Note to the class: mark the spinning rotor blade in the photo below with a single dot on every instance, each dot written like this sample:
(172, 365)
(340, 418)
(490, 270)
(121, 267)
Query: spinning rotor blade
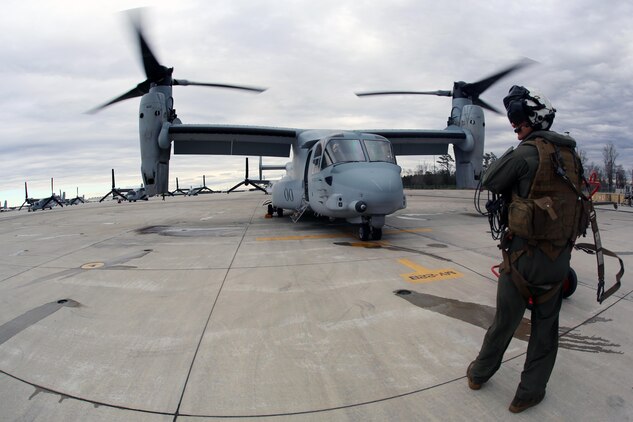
(156, 73)
(154, 70)
(439, 93)
(140, 90)
(481, 103)
(461, 89)
(184, 82)
(478, 88)
(474, 90)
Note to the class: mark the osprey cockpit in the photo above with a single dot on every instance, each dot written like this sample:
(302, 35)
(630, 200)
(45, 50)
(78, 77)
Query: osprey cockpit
(355, 176)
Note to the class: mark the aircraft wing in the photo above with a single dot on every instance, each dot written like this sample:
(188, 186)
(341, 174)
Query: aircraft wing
(232, 140)
(421, 142)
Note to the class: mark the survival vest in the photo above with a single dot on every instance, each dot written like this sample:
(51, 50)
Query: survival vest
(553, 211)
(553, 215)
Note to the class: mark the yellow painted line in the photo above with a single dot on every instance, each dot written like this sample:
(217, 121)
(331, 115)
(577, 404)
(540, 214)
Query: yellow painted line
(422, 274)
(337, 235)
(419, 230)
(308, 236)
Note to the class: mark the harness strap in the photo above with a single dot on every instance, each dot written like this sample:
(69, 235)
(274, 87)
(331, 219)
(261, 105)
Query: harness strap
(597, 248)
(599, 251)
(520, 282)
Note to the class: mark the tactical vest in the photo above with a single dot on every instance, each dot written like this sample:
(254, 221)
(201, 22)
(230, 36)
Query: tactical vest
(553, 211)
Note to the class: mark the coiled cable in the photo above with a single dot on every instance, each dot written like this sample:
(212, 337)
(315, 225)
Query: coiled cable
(495, 210)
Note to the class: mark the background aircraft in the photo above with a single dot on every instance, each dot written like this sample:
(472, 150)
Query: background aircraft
(338, 174)
(137, 194)
(116, 193)
(200, 189)
(257, 184)
(178, 190)
(34, 204)
(5, 207)
(76, 200)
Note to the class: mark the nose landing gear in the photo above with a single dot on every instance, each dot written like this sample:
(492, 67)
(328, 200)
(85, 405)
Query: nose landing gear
(366, 232)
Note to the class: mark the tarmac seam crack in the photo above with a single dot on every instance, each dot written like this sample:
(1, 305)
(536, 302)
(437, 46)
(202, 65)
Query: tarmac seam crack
(217, 297)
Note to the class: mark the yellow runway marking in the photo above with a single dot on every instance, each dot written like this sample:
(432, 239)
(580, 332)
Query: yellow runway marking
(419, 230)
(425, 275)
(338, 235)
(307, 236)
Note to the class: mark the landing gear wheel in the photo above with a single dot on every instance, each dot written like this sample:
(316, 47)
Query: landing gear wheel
(570, 283)
(280, 212)
(376, 233)
(363, 232)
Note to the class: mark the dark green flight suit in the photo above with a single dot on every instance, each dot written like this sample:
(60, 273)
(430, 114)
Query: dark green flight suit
(514, 172)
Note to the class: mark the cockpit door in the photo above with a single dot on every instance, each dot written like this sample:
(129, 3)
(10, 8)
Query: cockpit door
(306, 175)
(313, 168)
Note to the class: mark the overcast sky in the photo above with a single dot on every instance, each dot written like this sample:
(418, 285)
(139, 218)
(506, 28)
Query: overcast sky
(61, 58)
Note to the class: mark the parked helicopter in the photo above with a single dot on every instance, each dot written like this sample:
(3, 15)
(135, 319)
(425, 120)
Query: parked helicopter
(137, 194)
(350, 174)
(76, 200)
(200, 189)
(257, 184)
(5, 207)
(34, 204)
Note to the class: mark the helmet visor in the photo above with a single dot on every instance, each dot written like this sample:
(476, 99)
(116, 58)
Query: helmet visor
(514, 103)
(516, 112)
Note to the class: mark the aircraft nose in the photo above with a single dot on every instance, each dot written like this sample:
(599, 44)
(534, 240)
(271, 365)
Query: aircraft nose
(376, 178)
(378, 185)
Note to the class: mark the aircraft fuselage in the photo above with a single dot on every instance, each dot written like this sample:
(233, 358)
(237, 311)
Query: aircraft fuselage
(349, 175)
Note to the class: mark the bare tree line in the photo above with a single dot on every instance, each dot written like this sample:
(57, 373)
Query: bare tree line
(611, 175)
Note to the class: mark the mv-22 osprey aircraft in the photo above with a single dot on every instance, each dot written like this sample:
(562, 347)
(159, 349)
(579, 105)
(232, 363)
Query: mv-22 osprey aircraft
(34, 204)
(349, 174)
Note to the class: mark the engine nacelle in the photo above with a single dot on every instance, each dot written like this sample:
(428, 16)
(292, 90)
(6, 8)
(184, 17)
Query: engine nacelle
(154, 159)
(469, 154)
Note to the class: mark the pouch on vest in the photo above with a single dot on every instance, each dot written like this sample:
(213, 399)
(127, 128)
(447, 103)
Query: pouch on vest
(538, 219)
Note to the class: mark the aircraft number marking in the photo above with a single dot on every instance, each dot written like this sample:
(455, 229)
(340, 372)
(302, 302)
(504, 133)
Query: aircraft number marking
(289, 195)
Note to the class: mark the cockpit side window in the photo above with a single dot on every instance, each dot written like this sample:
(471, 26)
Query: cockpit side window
(316, 158)
(379, 151)
(343, 151)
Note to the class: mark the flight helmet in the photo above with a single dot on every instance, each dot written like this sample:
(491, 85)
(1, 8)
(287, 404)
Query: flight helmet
(528, 105)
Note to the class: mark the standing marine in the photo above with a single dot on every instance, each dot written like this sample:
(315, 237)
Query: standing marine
(539, 181)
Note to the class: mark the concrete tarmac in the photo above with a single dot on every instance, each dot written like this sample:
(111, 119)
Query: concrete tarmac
(200, 308)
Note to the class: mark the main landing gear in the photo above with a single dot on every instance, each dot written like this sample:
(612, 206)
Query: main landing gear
(272, 210)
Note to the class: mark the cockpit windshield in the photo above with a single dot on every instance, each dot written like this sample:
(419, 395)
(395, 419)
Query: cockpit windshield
(343, 151)
(379, 151)
(355, 150)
